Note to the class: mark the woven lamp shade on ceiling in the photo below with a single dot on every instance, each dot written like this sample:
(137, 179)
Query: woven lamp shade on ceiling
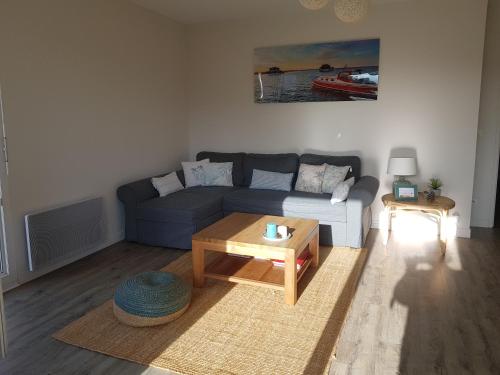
(313, 4)
(350, 10)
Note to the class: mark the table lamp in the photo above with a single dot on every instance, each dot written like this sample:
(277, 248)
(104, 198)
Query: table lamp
(401, 167)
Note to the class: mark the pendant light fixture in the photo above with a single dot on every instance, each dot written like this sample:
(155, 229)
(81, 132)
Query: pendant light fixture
(313, 4)
(346, 10)
(350, 10)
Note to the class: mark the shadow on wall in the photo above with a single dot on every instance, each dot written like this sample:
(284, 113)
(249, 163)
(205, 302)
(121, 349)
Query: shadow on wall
(366, 163)
(403, 152)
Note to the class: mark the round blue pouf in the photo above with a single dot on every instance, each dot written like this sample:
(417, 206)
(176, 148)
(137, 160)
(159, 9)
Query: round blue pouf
(151, 298)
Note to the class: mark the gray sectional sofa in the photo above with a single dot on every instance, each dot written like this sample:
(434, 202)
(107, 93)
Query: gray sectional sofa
(171, 220)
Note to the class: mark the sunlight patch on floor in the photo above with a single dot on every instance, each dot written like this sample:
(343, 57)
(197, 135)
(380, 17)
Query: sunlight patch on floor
(414, 227)
(423, 267)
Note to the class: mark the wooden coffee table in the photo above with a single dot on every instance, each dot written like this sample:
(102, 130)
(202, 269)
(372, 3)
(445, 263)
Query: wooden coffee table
(242, 234)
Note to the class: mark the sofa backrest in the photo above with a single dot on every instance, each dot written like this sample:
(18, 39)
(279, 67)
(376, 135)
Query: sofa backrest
(282, 163)
(224, 157)
(339, 161)
(244, 164)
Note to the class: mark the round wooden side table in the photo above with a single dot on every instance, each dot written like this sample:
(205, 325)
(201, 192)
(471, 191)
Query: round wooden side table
(438, 208)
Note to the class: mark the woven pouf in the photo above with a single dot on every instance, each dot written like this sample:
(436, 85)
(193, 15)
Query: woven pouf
(151, 298)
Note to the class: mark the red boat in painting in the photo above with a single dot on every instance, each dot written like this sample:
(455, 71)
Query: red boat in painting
(346, 83)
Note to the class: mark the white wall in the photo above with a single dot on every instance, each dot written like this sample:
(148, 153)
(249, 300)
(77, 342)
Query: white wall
(430, 73)
(488, 137)
(94, 97)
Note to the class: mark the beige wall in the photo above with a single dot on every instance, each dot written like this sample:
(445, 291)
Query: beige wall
(488, 137)
(430, 73)
(94, 97)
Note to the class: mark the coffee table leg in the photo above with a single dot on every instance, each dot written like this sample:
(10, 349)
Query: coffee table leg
(290, 278)
(314, 249)
(198, 265)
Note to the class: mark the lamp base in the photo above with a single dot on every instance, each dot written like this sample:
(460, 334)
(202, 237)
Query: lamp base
(400, 182)
(404, 190)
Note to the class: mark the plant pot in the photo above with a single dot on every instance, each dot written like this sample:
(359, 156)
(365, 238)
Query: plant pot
(437, 192)
(429, 195)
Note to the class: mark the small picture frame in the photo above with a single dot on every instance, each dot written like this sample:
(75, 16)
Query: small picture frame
(407, 193)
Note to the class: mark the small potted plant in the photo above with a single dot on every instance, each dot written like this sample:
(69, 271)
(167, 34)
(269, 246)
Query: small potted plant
(435, 185)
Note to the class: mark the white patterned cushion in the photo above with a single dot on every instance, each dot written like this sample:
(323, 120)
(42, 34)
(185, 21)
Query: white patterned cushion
(218, 174)
(194, 173)
(167, 184)
(341, 191)
(310, 178)
(333, 176)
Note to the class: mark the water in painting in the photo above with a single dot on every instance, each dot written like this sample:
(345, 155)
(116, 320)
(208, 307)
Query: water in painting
(336, 71)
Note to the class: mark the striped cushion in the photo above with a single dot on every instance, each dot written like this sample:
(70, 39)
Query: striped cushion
(271, 180)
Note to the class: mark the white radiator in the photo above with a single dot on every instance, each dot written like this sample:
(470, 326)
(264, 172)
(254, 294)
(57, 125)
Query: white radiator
(64, 232)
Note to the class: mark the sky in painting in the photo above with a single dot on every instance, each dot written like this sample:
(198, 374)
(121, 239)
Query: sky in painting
(312, 56)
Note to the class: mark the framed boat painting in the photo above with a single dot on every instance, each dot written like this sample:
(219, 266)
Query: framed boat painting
(319, 72)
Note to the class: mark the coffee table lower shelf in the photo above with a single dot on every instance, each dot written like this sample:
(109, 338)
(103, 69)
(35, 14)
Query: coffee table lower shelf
(251, 271)
(237, 238)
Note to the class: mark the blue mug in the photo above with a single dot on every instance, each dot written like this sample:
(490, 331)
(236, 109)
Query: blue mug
(271, 230)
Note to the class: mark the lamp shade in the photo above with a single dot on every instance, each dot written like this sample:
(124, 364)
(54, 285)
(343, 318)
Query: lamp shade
(402, 166)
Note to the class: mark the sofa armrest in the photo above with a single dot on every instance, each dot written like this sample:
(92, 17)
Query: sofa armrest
(136, 192)
(131, 195)
(361, 195)
(364, 190)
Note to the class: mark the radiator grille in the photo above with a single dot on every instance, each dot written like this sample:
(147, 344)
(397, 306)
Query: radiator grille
(64, 232)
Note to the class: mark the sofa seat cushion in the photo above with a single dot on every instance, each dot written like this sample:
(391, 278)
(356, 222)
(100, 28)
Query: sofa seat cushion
(186, 206)
(284, 203)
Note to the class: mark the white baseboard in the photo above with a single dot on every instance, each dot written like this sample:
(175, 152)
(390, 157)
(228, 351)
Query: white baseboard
(482, 224)
(8, 284)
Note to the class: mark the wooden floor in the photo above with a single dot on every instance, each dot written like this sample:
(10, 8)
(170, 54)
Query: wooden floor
(417, 313)
(38, 309)
(414, 312)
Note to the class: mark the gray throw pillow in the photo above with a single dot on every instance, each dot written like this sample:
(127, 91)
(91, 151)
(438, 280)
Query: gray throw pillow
(218, 174)
(271, 180)
(341, 191)
(194, 173)
(310, 178)
(167, 184)
(333, 176)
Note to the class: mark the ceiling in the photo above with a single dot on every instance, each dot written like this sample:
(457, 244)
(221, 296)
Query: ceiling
(197, 11)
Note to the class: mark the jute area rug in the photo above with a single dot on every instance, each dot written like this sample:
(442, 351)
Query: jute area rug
(236, 329)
